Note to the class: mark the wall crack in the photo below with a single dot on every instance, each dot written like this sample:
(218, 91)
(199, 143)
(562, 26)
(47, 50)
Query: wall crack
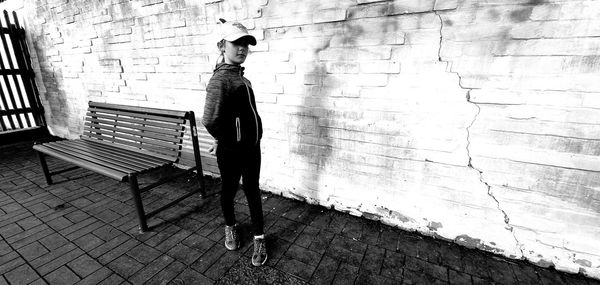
(468, 130)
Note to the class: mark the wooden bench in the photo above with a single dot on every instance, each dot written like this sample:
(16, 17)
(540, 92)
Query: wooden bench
(122, 142)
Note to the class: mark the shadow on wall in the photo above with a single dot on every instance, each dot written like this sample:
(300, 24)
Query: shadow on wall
(311, 126)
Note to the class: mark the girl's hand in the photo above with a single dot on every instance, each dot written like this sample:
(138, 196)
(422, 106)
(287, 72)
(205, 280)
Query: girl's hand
(213, 149)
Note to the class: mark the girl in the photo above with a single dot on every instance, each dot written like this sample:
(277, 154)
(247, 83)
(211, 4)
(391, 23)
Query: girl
(230, 116)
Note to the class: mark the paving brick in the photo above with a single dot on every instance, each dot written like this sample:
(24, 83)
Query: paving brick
(151, 269)
(162, 234)
(29, 223)
(525, 274)
(388, 239)
(4, 248)
(167, 274)
(77, 216)
(373, 260)
(23, 274)
(476, 265)
(173, 240)
(84, 265)
(295, 267)
(321, 241)
(117, 251)
(113, 279)
(209, 258)
(306, 237)
(143, 253)
(125, 266)
(190, 276)
(276, 248)
(393, 265)
(60, 259)
(198, 242)
(418, 265)
(10, 261)
(62, 275)
(302, 254)
(325, 271)
(456, 277)
(10, 230)
(352, 230)
(502, 272)
(23, 237)
(53, 241)
(368, 279)
(548, 277)
(346, 274)
(412, 277)
(83, 231)
(89, 223)
(184, 254)
(32, 251)
(88, 242)
(102, 248)
(96, 277)
(221, 265)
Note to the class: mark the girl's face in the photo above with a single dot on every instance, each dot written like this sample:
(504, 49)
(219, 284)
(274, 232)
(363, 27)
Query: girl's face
(236, 52)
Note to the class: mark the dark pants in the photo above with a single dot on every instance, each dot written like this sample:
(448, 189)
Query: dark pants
(233, 164)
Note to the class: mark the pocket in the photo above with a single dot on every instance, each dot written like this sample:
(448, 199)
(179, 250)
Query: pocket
(237, 129)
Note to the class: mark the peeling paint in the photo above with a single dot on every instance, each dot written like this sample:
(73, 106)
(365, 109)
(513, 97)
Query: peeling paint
(475, 243)
(394, 215)
(434, 226)
(583, 262)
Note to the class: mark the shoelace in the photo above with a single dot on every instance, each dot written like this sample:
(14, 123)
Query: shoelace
(260, 247)
(230, 234)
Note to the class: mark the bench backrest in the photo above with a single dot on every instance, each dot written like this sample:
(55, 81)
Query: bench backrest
(151, 131)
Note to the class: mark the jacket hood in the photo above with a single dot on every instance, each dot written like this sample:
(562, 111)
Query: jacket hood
(229, 67)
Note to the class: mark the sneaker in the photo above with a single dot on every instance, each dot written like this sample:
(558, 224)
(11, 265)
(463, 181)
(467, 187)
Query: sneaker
(232, 241)
(259, 257)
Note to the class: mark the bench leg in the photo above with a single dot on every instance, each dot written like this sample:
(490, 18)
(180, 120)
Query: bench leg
(45, 167)
(137, 199)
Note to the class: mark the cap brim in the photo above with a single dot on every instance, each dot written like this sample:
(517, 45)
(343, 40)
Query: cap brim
(237, 36)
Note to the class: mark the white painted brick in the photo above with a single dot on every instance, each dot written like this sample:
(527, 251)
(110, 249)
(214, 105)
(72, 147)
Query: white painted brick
(363, 53)
(445, 5)
(408, 6)
(380, 67)
(342, 67)
(377, 9)
(329, 15)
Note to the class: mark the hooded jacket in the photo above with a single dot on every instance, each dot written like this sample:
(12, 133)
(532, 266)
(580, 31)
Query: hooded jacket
(230, 114)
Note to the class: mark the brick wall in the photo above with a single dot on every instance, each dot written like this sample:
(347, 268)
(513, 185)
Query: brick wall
(473, 121)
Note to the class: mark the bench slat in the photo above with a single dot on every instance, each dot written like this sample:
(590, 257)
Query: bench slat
(137, 141)
(94, 158)
(120, 128)
(118, 150)
(115, 174)
(166, 128)
(177, 120)
(106, 154)
(145, 110)
(133, 147)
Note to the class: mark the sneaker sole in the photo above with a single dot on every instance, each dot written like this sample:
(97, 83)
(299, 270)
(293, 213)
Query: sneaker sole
(233, 248)
(263, 263)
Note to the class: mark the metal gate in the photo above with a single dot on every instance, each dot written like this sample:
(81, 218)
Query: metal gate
(20, 107)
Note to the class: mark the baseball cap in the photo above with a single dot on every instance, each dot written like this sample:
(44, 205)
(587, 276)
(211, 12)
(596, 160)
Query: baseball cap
(232, 31)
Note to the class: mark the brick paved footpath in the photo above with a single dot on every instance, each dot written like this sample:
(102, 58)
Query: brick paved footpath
(82, 230)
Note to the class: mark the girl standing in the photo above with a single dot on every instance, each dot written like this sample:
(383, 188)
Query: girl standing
(230, 116)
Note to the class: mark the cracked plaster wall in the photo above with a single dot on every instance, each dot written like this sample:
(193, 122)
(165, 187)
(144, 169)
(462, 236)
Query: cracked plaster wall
(472, 121)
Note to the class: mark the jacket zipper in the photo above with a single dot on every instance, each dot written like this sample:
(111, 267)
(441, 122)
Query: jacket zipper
(237, 129)
(251, 107)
